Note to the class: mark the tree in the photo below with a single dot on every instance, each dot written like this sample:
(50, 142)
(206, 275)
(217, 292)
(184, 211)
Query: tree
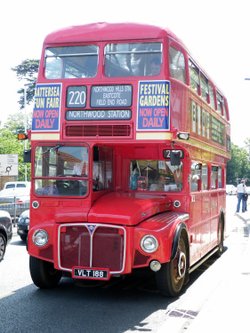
(27, 72)
(10, 145)
(247, 143)
(238, 167)
(17, 122)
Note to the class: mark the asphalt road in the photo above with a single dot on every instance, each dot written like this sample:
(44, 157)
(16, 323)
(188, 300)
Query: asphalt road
(129, 305)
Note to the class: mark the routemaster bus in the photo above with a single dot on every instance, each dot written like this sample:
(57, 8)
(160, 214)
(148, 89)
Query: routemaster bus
(129, 143)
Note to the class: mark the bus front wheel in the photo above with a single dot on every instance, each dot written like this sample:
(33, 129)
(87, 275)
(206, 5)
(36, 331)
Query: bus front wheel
(43, 273)
(171, 277)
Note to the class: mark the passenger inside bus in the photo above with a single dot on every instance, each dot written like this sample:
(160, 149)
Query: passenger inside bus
(155, 66)
(98, 176)
(195, 176)
(133, 59)
(57, 169)
(155, 175)
(134, 176)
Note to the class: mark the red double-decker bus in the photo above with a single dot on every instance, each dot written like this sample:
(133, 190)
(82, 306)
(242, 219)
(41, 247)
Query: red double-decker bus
(129, 144)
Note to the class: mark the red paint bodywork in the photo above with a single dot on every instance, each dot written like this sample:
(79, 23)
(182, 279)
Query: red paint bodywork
(135, 214)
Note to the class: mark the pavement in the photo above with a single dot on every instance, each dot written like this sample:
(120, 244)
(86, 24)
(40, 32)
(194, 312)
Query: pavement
(222, 305)
(227, 308)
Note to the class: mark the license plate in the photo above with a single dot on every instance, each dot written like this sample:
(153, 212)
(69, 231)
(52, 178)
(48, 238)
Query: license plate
(90, 273)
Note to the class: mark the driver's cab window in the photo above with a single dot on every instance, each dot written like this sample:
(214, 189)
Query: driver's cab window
(102, 168)
(61, 170)
(155, 175)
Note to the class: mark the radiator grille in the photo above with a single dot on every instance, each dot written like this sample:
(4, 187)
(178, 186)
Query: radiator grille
(99, 130)
(92, 246)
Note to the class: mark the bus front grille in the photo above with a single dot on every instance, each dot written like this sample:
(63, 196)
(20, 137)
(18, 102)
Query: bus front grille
(99, 130)
(92, 245)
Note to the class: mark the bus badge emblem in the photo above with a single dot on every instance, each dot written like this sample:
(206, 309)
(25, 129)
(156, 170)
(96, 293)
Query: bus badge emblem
(91, 228)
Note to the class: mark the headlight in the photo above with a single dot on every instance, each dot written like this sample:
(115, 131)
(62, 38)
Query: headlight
(149, 243)
(40, 237)
(24, 220)
(21, 220)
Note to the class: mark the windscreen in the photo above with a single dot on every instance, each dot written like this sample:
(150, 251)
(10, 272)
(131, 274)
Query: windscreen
(61, 170)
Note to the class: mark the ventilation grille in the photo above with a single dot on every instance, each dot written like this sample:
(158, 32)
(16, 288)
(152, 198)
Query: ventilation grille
(99, 130)
(92, 246)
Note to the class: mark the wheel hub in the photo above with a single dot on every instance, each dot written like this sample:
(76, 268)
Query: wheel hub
(181, 267)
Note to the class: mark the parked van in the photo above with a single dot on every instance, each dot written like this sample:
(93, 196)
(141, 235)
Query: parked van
(16, 185)
(14, 189)
(15, 197)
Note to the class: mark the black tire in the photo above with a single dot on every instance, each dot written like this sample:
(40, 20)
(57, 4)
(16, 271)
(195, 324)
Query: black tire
(220, 240)
(3, 244)
(23, 238)
(172, 276)
(43, 273)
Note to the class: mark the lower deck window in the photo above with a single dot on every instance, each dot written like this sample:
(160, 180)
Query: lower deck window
(155, 175)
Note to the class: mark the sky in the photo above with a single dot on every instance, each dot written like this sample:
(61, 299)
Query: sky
(216, 32)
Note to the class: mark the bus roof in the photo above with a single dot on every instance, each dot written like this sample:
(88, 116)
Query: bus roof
(103, 31)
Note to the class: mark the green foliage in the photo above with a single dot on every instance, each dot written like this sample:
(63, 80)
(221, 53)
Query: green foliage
(16, 122)
(10, 145)
(27, 72)
(238, 166)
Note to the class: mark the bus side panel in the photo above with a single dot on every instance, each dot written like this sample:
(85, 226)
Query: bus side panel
(217, 207)
(206, 223)
(196, 227)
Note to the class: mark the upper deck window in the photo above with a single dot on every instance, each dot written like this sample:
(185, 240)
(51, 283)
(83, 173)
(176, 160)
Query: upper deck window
(133, 59)
(177, 64)
(220, 103)
(194, 77)
(204, 88)
(211, 95)
(71, 62)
